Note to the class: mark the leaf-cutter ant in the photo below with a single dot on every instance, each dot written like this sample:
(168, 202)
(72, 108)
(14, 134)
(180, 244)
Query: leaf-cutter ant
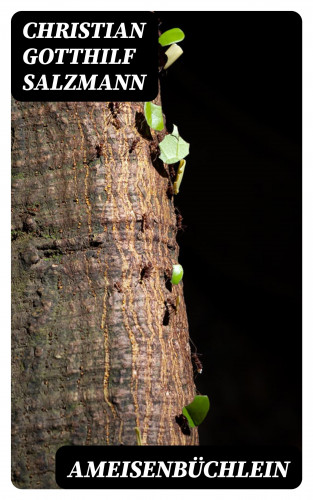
(118, 287)
(170, 302)
(197, 362)
(182, 421)
(172, 171)
(170, 308)
(195, 358)
(99, 149)
(115, 109)
(146, 272)
(133, 145)
(170, 190)
(168, 277)
(145, 223)
(154, 150)
(179, 220)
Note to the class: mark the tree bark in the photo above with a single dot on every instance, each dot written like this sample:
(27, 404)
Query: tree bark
(98, 348)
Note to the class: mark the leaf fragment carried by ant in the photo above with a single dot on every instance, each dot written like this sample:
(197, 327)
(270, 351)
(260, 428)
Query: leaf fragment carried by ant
(173, 147)
(173, 35)
(197, 410)
(172, 54)
(177, 274)
(154, 116)
(138, 436)
(179, 176)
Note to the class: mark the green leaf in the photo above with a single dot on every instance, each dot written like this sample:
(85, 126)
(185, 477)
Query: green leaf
(172, 54)
(175, 132)
(171, 36)
(173, 148)
(177, 274)
(179, 176)
(138, 436)
(153, 115)
(196, 411)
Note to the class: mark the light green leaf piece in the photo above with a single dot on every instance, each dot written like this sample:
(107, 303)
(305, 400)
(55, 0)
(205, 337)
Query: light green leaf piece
(196, 411)
(179, 176)
(172, 54)
(177, 274)
(138, 436)
(153, 115)
(175, 132)
(171, 36)
(173, 148)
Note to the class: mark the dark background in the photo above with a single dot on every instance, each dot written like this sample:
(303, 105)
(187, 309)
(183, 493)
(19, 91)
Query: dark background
(144, 62)
(235, 95)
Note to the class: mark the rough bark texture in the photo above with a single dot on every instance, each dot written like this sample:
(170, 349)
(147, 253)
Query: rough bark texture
(97, 346)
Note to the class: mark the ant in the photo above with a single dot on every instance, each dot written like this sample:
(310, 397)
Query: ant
(99, 149)
(172, 171)
(170, 190)
(174, 308)
(115, 109)
(168, 277)
(33, 210)
(146, 272)
(154, 150)
(182, 421)
(118, 287)
(179, 220)
(99, 153)
(133, 145)
(177, 302)
(145, 224)
(170, 302)
(197, 362)
(195, 358)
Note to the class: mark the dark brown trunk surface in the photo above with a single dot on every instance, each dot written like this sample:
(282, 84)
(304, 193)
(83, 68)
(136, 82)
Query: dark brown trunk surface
(93, 356)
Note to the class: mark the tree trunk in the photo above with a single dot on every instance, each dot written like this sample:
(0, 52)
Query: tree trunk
(98, 348)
